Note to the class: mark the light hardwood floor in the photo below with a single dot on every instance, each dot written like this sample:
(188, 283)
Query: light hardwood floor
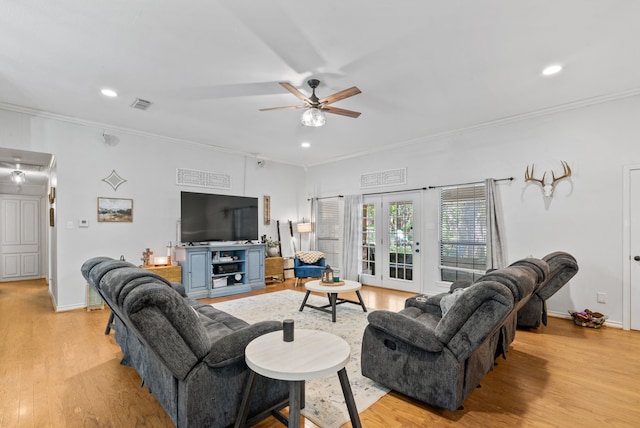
(60, 370)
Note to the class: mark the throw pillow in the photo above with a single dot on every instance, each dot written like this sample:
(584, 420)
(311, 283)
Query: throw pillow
(449, 299)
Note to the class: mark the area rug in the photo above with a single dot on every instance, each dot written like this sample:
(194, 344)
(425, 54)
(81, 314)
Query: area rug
(325, 404)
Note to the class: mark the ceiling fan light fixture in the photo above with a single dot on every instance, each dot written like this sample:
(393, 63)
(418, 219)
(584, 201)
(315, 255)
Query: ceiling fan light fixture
(17, 177)
(313, 117)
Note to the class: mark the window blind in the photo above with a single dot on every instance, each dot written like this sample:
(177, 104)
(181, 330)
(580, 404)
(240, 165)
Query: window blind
(328, 230)
(463, 232)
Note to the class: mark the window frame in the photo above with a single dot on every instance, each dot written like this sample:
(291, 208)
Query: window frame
(470, 241)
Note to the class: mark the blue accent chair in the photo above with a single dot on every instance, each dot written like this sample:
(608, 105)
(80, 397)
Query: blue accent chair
(306, 270)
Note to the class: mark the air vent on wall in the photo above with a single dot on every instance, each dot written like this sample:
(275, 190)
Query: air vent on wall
(212, 180)
(141, 104)
(390, 177)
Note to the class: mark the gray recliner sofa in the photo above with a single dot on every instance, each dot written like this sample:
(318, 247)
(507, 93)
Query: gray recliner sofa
(438, 348)
(437, 357)
(189, 354)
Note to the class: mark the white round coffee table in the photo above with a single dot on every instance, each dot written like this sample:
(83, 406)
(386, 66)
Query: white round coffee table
(312, 354)
(332, 292)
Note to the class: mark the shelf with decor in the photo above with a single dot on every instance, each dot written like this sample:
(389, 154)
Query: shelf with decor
(220, 270)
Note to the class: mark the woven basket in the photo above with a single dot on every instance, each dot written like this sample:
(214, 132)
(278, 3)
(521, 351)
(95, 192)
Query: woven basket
(588, 318)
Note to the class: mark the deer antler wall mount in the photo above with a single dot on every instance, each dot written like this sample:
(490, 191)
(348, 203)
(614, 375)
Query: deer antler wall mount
(547, 188)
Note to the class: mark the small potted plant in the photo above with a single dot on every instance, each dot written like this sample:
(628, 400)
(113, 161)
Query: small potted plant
(272, 247)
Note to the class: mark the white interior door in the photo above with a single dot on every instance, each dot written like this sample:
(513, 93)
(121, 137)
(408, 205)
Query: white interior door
(634, 246)
(20, 240)
(391, 241)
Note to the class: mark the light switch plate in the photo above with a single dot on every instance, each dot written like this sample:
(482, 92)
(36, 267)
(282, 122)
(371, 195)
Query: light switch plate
(83, 223)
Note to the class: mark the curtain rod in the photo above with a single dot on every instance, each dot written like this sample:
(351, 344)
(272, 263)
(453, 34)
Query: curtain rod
(417, 188)
(472, 182)
(394, 191)
(326, 197)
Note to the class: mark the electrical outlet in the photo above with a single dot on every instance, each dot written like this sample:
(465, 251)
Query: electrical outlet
(602, 297)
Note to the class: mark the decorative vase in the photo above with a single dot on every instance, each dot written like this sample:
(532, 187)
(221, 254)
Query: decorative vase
(272, 251)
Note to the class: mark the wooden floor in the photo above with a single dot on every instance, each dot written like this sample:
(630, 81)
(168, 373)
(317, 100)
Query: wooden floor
(60, 370)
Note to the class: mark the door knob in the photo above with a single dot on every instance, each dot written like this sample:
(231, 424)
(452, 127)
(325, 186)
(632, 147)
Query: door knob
(637, 258)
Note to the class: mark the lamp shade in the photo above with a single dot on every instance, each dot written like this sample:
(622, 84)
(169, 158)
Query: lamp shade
(313, 117)
(303, 227)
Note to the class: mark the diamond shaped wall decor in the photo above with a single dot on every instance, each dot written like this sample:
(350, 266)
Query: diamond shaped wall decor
(114, 180)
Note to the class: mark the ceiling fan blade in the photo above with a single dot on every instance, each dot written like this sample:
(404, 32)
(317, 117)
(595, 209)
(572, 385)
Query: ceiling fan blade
(283, 108)
(340, 95)
(341, 111)
(289, 87)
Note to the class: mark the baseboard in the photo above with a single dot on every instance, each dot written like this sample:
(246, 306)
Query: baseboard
(52, 298)
(69, 307)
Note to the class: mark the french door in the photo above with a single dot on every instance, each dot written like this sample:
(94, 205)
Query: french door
(391, 241)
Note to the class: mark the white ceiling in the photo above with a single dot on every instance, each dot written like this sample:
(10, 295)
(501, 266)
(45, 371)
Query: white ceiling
(424, 67)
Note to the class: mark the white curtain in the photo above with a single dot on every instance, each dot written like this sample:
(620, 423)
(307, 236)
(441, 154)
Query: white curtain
(352, 234)
(495, 240)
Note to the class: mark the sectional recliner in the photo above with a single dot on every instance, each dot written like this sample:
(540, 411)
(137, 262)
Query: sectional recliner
(438, 348)
(189, 354)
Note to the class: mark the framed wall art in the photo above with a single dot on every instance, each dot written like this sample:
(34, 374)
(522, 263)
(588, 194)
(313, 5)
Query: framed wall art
(115, 210)
(266, 201)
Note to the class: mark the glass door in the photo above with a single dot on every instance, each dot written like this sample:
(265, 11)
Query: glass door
(390, 241)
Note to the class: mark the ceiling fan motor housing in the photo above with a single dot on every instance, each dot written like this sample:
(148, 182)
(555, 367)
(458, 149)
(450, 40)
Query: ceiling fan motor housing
(313, 98)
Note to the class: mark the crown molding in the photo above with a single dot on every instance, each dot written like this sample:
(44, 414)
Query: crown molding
(489, 124)
(586, 102)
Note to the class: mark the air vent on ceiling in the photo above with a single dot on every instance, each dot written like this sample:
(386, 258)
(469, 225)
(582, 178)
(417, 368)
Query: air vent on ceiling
(141, 104)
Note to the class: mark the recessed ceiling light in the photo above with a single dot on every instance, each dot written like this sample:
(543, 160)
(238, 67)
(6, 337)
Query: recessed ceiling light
(305, 145)
(552, 69)
(109, 93)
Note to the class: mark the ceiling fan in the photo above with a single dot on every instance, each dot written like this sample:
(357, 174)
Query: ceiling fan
(316, 107)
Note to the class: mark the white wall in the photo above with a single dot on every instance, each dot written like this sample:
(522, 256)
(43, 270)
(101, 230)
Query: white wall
(149, 166)
(584, 216)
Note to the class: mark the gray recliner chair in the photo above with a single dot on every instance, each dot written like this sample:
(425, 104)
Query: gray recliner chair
(562, 267)
(434, 356)
(522, 278)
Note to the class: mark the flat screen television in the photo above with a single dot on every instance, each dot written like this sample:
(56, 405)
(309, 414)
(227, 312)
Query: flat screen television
(207, 217)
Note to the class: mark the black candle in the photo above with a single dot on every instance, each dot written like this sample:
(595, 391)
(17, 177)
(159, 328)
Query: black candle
(287, 330)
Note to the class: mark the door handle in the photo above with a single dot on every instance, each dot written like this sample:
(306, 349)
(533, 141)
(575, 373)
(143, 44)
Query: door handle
(637, 258)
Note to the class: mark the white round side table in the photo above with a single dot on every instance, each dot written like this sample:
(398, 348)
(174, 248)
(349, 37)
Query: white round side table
(312, 354)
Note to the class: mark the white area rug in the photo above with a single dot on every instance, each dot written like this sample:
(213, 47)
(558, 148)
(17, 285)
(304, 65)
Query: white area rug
(325, 404)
